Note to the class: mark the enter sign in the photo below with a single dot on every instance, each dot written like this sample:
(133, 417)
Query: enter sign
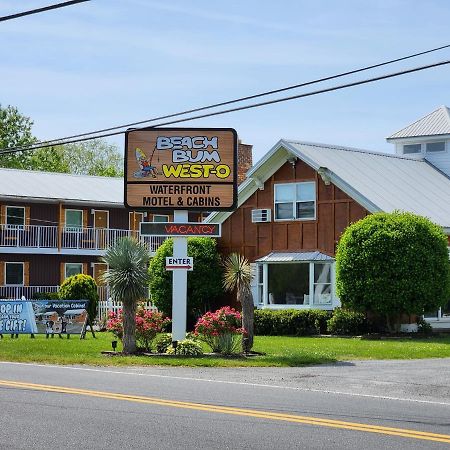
(179, 263)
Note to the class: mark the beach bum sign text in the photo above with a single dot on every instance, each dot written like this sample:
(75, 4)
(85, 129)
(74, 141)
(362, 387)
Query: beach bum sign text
(42, 316)
(181, 168)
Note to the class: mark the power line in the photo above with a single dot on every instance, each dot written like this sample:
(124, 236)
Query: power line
(250, 97)
(63, 141)
(43, 9)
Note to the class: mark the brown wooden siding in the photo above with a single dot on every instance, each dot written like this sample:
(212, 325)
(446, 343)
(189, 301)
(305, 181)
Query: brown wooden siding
(335, 210)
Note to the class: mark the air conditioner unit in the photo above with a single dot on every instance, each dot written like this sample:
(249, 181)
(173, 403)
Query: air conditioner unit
(261, 215)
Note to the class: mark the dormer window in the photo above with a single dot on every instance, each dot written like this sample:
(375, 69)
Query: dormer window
(410, 149)
(435, 147)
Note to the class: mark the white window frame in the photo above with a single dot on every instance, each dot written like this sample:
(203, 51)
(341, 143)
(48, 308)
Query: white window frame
(72, 263)
(423, 147)
(294, 203)
(412, 143)
(73, 229)
(14, 226)
(23, 273)
(435, 142)
(161, 215)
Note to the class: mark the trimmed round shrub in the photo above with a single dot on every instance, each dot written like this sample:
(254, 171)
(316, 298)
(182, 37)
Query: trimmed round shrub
(81, 287)
(348, 323)
(186, 347)
(163, 342)
(393, 264)
(204, 283)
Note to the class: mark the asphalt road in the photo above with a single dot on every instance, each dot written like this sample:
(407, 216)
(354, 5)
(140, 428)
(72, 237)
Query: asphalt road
(363, 405)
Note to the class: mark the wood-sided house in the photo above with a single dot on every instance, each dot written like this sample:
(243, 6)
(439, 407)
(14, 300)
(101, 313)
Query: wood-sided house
(298, 199)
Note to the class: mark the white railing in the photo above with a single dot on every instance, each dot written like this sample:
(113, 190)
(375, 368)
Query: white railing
(107, 306)
(53, 237)
(37, 236)
(17, 292)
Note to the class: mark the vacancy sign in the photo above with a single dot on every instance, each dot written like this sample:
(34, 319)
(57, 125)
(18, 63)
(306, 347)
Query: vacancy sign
(173, 263)
(181, 169)
(186, 229)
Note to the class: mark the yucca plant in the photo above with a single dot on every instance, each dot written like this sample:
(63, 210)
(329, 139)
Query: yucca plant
(238, 276)
(127, 277)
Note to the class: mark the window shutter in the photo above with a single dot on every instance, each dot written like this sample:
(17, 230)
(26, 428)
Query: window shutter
(85, 268)
(62, 271)
(3, 214)
(62, 216)
(27, 215)
(85, 218)
(2, 273)
(26, 273)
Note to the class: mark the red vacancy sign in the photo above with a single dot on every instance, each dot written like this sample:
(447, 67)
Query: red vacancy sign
(173, 263)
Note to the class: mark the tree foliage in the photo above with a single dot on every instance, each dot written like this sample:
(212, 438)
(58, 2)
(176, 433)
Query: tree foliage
(95, 157)
(204, 283)
(127, 276)
(81, 287)
(393, 263)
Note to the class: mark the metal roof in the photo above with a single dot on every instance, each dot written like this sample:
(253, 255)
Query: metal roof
(61, 186)
(382, 182)
(436, 123)
(294, 256)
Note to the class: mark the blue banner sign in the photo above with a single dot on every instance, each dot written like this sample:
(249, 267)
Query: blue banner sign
(43, 316)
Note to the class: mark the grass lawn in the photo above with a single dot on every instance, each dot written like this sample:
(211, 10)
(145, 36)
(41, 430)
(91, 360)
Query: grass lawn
(280, 351)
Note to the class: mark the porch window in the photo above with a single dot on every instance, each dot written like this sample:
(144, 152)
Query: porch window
(74, 219)
(14, 274)
(15, 216)
(73, 269)
(322, 284)
(289, 284)
(295, 201)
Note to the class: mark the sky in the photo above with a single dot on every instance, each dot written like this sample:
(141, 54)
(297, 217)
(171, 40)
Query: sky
(109, 62)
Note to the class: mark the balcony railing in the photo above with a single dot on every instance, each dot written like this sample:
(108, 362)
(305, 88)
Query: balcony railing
(61, 238)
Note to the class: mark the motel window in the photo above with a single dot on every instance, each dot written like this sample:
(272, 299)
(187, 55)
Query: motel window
(289, 284)
(435, 147)
(322, 284)
(14, 273)
(74, 219)
(15, 216)
(73, 269)
(260, 280)
(295, 201)
(409, 149)
(160, 218)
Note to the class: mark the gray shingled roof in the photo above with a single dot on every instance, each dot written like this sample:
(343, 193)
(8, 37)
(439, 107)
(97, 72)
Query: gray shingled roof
(294, 256)
(60, 186)
(436, 123)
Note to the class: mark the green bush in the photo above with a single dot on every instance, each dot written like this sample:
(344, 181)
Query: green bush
(423, 327)
(45, 296)
(393, 264)
(186, 347)
(204, 283)
(81, 287)
(345, 322)
(290, 322)
(163, 342)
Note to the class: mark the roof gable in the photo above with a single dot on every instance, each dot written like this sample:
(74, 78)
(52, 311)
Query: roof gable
(436, 123)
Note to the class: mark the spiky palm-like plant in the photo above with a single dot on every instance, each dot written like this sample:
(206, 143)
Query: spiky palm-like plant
(238, 276)
(127, 277)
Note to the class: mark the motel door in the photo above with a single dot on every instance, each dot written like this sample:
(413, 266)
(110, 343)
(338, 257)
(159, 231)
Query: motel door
(101, 223)
(135, 220)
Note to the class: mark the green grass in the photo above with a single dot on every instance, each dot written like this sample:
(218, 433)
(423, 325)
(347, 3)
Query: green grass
(280, 351)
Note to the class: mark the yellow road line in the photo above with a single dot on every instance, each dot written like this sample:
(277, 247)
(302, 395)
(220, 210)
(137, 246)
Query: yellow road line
(317, 421)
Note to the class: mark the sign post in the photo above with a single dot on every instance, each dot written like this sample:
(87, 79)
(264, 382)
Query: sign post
(180, 169)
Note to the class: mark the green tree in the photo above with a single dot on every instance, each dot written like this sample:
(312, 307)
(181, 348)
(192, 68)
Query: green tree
(393, 264)
(81, 287)
(204, 283)
(238, 277)
(15, 131)
(127, 277)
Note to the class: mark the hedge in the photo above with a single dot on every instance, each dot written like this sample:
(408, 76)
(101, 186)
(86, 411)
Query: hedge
(290, 322)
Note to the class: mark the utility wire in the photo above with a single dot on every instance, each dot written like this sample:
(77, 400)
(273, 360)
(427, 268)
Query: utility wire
(249, 97)
(63, 141)
(43, 9)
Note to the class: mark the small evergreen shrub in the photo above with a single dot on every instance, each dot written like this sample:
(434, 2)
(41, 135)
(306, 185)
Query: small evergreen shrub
(348, 323)
(186, 347)
(290, 322)
(81, 287)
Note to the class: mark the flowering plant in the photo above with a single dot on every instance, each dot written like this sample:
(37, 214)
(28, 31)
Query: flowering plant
(148, 325)
(221, 330)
